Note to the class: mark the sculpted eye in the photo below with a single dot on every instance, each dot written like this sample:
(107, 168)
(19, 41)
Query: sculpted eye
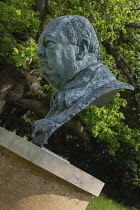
(49, 43)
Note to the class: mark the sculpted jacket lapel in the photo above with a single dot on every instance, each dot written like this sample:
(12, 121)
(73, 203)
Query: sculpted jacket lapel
(90, 83)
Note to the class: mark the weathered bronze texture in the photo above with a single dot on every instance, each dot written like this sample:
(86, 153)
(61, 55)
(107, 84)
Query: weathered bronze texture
(68, 53)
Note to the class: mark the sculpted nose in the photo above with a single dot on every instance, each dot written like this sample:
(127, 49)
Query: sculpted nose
(40, 52)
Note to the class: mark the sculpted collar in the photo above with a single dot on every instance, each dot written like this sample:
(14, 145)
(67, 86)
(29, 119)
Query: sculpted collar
(76, 88)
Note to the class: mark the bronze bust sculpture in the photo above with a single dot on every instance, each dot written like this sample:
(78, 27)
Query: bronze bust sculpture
(68, 54)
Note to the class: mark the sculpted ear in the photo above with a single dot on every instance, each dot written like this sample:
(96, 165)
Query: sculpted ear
(83, 49)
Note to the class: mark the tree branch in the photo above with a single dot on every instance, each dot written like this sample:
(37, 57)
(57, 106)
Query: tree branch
(60, 8)
(133, 36)
(31, 104)
(77, 127)
(39, 5)
(119, 61)
(32, 81)
(135, 9)
(43, 18)
(133, 25)
(44, 15)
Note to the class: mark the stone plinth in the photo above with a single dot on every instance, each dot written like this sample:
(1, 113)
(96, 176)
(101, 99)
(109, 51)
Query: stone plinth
(25, 186)
(31, 178)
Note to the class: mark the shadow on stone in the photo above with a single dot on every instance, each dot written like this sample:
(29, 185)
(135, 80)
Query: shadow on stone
(27, 186)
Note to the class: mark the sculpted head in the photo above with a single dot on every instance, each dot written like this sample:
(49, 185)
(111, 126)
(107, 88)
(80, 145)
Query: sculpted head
(67, 45)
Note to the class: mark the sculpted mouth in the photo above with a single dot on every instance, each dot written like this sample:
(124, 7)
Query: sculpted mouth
(40, 61)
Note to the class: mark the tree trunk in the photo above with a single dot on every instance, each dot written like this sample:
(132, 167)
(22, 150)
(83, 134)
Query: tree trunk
(11, 87)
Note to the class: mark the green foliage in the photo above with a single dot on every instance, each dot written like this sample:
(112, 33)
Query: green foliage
(106, 125)
(19, 16)
(104, 203)
(115, 127)
(19, 23)
(24, 53)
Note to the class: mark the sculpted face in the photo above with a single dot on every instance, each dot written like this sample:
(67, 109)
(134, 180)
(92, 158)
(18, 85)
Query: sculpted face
(67, 45)
(57, 58)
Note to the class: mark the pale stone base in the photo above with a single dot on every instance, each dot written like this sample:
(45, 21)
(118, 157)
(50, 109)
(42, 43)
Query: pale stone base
(32, 178)
(25, 186)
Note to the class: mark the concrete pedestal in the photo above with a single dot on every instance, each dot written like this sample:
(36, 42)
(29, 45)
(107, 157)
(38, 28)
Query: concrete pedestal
(33, 179)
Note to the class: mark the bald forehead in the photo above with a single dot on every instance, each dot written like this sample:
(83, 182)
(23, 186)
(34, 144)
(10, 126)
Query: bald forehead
(70, 29)
(58, 24)
(55, 29)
